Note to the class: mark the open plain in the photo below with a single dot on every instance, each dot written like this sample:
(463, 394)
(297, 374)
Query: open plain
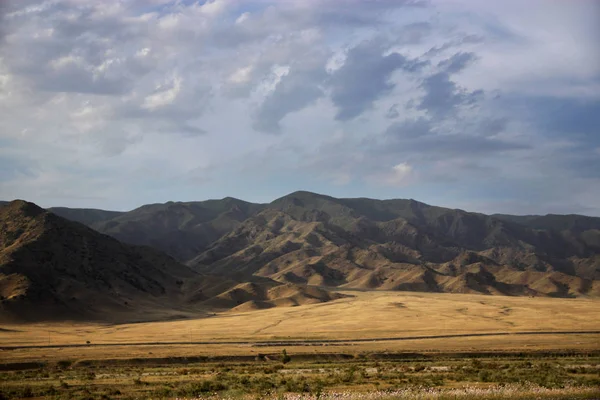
(361, 316)
(365, 342)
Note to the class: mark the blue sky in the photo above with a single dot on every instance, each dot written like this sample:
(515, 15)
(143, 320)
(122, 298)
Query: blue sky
(485, 106)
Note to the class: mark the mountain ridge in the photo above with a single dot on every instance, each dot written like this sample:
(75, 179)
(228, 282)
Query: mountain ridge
(55, 269)
(395, 244)
(522, 218)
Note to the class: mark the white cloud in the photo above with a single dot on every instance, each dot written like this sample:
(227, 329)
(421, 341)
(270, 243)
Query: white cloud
(164, 95)
(243, 17)
(402, 170)
(143, 52)
(89, 118)
(169, 22)
(213, 7)
(241, 75)
(401, 174)
(270, 82)
(140, 81)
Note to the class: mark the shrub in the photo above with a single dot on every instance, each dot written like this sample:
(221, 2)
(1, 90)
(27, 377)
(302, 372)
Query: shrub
(164, 391)
(195, 389)
(64, 364)
(484, 375)
(285, 358)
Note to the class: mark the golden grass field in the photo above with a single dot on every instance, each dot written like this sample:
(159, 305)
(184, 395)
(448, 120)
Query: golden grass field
(366, 315)
(347, 348)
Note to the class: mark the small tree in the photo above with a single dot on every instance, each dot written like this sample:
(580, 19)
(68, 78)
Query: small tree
(285, 357)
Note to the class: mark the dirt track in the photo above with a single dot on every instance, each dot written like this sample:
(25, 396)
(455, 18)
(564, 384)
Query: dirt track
(308, 342)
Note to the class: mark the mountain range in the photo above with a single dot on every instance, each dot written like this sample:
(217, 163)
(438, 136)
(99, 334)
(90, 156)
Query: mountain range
(181, 258)
(52, 268)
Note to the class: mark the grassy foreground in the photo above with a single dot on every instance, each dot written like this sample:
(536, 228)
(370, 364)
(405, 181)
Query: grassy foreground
(382, 353)
(440, 377)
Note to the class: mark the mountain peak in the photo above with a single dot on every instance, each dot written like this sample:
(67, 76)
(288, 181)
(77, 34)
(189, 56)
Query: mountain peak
(303, 195)
(24, 208)
(230, 199)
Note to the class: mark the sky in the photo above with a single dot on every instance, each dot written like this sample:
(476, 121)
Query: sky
(485, 106)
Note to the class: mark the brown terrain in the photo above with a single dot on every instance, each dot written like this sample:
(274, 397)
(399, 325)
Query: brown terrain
(230, 254)
(405, 245)
(55, 269)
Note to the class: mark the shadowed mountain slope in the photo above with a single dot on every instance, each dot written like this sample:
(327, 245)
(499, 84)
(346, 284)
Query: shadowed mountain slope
(53, 268)
(553, 222)
(307, 238)
(181, 230)
(87, 216)
(311, 239)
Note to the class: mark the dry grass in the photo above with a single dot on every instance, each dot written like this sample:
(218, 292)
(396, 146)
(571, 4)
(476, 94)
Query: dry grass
(545, 366)
(367, 314)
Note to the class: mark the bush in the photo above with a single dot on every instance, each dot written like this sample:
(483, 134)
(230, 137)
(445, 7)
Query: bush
(484, 375)
(137, 381)
(195, 389)
(349, 375)
(285, 357)
(64, 364)
(164, 391)
(419, 368)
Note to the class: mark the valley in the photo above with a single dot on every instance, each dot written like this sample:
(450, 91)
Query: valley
(371, 343)
(363, 322)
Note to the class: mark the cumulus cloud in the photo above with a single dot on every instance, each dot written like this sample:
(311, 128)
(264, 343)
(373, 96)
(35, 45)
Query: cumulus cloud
(299, 87)
(106, 104)
(462, 41)
(163, 95)
(443, 96)
(399, 175)
(457, 62)
(365, 77)
(393, 111)
(430, 140)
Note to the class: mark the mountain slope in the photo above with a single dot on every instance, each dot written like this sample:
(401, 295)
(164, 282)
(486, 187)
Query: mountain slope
(554, 222)
(310, 239)
(87, 216)
(52, 268)
(251, 296)
(181, 230)
(306, 238)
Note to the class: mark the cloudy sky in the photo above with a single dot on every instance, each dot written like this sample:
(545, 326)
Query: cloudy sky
(481, 105)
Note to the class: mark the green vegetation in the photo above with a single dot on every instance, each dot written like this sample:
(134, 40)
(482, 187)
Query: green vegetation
(285, 358)
(499, 377)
